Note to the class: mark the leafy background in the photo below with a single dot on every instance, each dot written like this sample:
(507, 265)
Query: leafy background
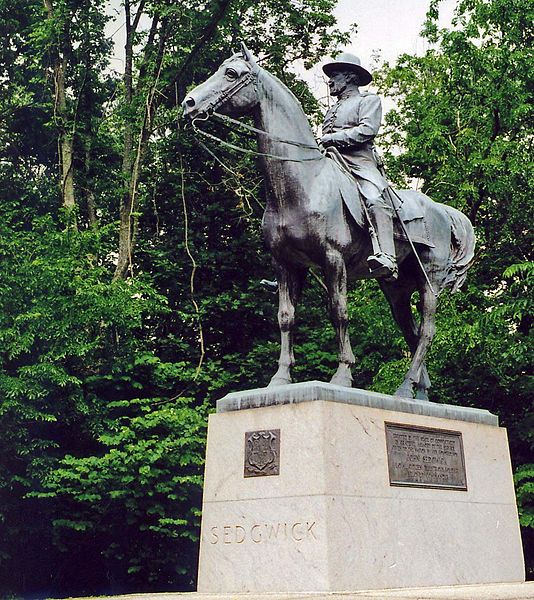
(130, 266)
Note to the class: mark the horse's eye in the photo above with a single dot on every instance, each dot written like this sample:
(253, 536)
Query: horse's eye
(231, 74)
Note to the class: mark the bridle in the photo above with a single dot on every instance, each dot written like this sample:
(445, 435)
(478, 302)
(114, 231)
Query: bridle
(251, 77)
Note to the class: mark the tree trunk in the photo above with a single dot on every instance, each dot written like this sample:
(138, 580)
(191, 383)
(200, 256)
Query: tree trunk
(132, 157)
(65, 137)
(219, 12)
(126, 206)
(88, 192)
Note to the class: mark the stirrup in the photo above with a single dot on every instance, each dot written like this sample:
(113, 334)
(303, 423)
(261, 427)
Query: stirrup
(383, 265)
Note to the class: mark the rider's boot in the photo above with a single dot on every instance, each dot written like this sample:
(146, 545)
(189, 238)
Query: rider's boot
(383, 262)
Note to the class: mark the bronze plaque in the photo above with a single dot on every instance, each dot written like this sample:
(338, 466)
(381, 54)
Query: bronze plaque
(425, 457)
(262, 453)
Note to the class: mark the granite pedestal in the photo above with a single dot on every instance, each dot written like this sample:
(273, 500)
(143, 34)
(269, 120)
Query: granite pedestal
(316, 488)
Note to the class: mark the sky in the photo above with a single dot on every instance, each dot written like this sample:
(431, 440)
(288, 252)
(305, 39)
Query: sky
(389, 27)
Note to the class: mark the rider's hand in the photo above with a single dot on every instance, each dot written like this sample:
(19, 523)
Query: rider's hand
(327, 140)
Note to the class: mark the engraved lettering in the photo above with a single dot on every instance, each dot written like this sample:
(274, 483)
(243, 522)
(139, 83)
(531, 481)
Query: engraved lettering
(215, 535)
(240, 534)
(273, 533)
(309, 529)
(257, 539)
(259, 533)
(294, 532)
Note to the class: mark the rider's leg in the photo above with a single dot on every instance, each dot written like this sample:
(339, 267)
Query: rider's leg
(383, 262)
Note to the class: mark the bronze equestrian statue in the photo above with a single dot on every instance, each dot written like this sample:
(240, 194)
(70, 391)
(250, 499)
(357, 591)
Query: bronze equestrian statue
(318, 214)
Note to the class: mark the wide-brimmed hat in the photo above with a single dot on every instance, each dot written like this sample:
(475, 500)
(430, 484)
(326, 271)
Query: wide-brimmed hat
(348, 62)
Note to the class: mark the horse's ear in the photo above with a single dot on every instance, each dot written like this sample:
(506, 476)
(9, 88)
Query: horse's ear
(247, 54)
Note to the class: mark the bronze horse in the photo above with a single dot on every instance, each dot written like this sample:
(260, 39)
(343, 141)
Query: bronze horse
(313, 217)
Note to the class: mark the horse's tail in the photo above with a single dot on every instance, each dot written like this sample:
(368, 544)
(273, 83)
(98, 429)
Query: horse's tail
(462, 247)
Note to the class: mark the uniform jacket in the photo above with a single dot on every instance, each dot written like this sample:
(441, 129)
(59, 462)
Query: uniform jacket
(354, 122)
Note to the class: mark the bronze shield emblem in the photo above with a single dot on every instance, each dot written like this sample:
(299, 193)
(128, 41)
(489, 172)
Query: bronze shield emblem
(262, 453)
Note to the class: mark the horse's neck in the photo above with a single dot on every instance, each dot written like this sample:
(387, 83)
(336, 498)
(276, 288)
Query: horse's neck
(280, 114)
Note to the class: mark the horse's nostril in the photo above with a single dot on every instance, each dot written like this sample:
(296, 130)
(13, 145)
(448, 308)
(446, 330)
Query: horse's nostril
(189, 102)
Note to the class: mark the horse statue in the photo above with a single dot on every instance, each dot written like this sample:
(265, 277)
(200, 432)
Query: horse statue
(314, 217)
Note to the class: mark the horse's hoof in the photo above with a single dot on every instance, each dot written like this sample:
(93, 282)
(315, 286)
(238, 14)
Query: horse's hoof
(421, 395)
(276, 381)
(405, 391)
(342, 380)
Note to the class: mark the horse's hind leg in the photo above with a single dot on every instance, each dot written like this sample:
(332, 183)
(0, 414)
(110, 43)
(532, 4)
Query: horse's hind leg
(290, 282)
(336, 281)
(399, 299)
(416, 373)
(423, 385)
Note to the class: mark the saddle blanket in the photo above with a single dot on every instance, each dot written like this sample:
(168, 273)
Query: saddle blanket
(408, 207)
(413, 217)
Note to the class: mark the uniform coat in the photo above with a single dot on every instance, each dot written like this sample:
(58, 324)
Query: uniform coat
(353, 122)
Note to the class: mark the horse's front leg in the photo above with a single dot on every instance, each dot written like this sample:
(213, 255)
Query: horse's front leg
(417, 375)
(336, 281)
(290, 282)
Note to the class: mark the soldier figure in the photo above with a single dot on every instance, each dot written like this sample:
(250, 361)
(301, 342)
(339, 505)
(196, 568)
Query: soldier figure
(351, 125)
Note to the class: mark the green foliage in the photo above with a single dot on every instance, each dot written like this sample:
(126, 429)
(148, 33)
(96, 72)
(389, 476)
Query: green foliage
(136, 501)
(462, 121)
(524, 479)
(63, 327)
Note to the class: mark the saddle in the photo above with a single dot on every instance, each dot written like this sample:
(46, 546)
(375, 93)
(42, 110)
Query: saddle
(407, 205)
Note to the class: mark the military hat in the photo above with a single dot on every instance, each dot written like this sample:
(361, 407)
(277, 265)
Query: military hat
(348, 62)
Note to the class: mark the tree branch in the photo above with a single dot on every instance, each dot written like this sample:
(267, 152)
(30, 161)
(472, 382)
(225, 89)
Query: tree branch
(138, 15)
(207, 33)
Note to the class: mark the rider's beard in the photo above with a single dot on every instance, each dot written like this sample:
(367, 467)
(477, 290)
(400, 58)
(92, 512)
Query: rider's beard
(337, 88)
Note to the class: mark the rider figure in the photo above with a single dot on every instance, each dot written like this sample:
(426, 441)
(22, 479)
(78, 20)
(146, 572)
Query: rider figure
(351, 125)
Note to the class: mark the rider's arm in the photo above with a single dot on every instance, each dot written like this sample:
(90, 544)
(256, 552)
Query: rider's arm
(367, 127)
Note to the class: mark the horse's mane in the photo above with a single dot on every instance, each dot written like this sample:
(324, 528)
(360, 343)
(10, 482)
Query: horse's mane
(284, 96)
(284, 88)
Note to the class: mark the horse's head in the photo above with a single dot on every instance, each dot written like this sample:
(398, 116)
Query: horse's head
(230, 90)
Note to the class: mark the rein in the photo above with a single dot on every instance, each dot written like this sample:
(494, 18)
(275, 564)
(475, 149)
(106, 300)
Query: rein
(269, 135)
(253, 152)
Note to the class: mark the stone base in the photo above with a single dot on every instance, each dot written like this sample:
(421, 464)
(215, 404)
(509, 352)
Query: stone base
(331, 521)
(493, 591)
